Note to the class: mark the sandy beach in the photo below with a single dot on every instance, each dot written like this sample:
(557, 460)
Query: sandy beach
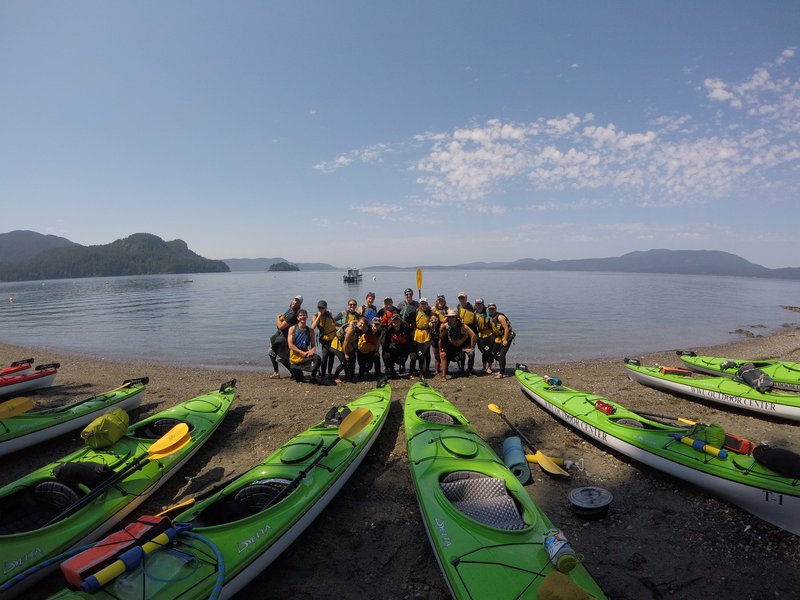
(662, 538)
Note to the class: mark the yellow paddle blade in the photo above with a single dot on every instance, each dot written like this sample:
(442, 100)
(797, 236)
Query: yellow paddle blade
(15, 406)
(549, 465)
(355, 422)
(175, 439)
(495, 409)
(419, 279)
(531, 458)
(168, 510)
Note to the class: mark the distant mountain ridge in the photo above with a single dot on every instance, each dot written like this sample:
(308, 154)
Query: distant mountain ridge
(22, 244)
(138, 254)
(679, 262)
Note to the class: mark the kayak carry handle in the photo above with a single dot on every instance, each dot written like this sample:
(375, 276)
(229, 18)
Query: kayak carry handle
(136, 381)
(522, 367)
(685, 353)
(48, 366)
(227, 385)
(19, 363)
(632, 361)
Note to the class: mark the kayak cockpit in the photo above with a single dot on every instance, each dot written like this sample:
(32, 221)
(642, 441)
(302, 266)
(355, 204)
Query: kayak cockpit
(483, 499)
(35, 506)
(244, 502)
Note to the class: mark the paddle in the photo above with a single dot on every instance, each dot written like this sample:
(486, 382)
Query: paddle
(208, 492)
(175, 439)
(15, 406)
(419, 283)
(544, 461)
(350, 426)
(657, 416)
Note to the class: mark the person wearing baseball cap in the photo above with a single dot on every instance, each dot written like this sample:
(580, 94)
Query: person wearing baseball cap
(440, 308)
(503, 336)
(422, 338)
(398, 343)
(325, 324)
(483, 326)
(466, 313)
(278, 344)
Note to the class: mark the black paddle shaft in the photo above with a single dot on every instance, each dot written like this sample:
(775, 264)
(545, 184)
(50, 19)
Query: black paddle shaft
(514, 428)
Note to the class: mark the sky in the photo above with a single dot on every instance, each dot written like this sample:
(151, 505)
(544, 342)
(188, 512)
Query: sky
(405, 133)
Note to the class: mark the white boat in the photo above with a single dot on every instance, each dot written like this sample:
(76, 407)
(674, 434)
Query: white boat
(352, 276)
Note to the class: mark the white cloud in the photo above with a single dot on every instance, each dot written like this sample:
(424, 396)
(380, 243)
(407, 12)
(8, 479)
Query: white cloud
(380, 210)
(369, 155)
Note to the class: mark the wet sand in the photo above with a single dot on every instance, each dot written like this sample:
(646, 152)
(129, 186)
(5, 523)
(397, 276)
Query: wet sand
(662, 538)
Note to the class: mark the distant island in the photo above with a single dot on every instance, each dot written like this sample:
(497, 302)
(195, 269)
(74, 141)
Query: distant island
(27, 255)
(283, 266)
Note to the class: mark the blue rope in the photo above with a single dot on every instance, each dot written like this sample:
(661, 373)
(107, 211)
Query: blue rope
(43, 565)
(220, 562)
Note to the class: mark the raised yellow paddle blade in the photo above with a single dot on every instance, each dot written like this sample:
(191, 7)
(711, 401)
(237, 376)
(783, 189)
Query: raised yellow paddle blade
(355, 422)
(419, 279)
(15, 406)
(175, 439)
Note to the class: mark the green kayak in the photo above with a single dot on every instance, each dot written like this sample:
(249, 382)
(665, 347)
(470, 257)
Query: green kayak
(785, 375)
(486, 531)
(733, 475)
(724, 390)
(38, 516)
(39, 424)
(224, 540)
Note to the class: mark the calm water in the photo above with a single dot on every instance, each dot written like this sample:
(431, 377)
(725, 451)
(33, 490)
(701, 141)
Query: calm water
(223, 320)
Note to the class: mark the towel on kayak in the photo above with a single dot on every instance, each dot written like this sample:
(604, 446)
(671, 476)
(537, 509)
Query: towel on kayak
(755, 378)
(482, 498)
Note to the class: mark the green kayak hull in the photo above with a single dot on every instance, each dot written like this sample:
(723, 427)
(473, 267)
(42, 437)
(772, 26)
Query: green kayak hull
(479, 558)
(39, 425)
(737, 478)
(786, 375)
(27, 537)
(723, 390)
(248, 543)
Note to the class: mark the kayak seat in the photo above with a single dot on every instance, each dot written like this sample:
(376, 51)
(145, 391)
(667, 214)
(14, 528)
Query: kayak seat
(247, 501)
(436, 416)
(482, 498)
(31, 509)
(157, 428)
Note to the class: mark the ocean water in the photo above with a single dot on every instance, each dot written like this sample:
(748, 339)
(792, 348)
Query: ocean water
(223, 320)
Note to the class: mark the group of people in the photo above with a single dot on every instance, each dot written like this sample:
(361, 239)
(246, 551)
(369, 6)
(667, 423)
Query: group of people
(331, 347)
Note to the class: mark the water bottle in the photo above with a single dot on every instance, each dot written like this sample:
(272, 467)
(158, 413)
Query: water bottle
(605, 407)
(560, 552)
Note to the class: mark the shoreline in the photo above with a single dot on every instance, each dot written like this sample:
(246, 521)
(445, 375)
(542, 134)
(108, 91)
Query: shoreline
(663, 538)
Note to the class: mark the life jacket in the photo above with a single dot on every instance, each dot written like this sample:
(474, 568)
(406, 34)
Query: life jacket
(497, 328)
(456, 335)
(386, 316)
(483, 324)
(337, 343)
(422, 333)
(442, 312)
(301, 339)
(467, 316)
(398, 339)
(368, 342)
(369, 312)
(326, 327)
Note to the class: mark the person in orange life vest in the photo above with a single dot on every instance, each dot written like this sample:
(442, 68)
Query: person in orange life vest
(398, 343)
(302, 350)
(279, 349)
(455, 340)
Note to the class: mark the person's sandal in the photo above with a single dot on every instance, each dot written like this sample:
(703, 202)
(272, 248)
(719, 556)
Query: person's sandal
(275, 376)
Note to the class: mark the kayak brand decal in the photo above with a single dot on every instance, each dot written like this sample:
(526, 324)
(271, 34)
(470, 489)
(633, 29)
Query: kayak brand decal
(443, 531)
(719, 396)
(13, 565)
(578, 424)
(243, 545)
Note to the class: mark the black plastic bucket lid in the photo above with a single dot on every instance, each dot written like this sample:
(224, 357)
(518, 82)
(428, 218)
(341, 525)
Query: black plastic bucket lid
(590, 502)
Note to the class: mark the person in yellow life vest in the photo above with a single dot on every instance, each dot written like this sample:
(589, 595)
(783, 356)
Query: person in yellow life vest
(483, 325)
(440, 308)
(343, 347)
(324, 323)
(302, 350)
(422, 338)
(503, 336)
(455, 341)
(368, 350)
(466, 314)
(349, 314)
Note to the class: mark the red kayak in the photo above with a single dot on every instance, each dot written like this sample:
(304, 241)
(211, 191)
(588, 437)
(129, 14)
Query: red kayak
(17, 366)
(42, 376)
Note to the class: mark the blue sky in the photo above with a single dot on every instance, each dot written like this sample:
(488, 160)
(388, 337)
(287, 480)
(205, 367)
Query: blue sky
(405, 133)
